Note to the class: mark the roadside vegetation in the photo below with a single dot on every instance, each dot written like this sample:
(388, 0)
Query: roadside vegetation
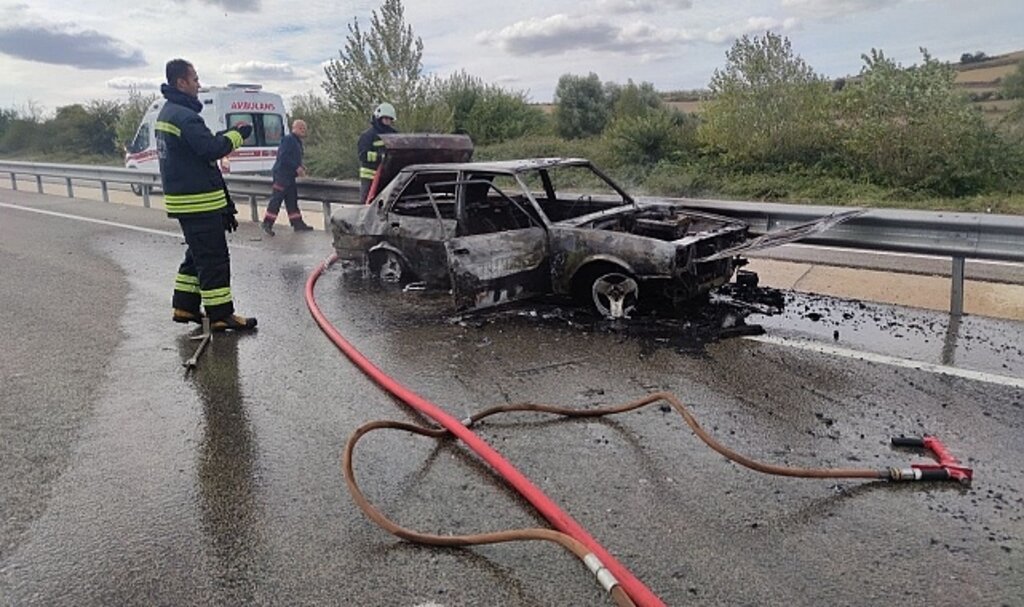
(768, 127)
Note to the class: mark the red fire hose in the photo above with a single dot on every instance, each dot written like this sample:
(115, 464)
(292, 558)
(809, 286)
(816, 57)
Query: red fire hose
(637, 591)
(624, 588)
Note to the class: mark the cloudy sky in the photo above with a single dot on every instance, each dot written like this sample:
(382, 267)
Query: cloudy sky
(55, 52)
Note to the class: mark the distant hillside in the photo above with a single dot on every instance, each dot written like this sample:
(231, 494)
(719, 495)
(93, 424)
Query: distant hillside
(983, 79)
(980, 79)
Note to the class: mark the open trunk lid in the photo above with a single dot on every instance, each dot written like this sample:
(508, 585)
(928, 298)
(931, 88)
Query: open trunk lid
(402, 150)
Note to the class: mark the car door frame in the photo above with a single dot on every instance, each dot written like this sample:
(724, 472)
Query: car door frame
(420, 240)
(494, 268)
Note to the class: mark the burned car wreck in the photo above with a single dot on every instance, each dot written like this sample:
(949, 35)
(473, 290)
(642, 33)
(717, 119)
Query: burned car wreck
(496, 232)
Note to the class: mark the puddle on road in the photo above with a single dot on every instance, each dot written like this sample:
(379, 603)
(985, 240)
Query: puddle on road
(727, 313)
(979, 343)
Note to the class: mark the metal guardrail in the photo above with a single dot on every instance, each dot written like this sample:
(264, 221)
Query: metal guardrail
(254, 188)
(959, 236)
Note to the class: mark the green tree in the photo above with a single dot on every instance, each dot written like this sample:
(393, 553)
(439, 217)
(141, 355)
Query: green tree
(769, 107)
(581, 107)
(330, 146)
(913, 128)
(488, 113)
(132, 112)
(382, 64)
(632, 100)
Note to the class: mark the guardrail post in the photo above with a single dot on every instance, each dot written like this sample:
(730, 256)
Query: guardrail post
(145, 196)
(14, 182)
(327, 215)
(956, 294)
(104, 191)
(253, 212)
(71, 191)
(39, 183)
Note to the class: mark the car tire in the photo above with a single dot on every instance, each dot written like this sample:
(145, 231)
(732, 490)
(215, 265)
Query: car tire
(614, 295)
(389, 268)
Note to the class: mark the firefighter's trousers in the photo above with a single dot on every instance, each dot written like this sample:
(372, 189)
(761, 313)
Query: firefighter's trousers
(204, 276)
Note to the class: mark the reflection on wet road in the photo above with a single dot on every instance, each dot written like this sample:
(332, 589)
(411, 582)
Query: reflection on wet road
(226, 470)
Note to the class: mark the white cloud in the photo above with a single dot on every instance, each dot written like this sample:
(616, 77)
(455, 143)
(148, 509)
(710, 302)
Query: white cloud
(233, 6)
(266, 71)
(562, 33)
(832, 8)
(643, 6)
(125, 83)
(752, 25)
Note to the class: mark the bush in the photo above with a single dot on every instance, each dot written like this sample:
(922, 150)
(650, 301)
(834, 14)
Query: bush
(770, 109)
(647, 139)
(487, 113)
(913, 128)
(1013, 84)
(631, 100)
(541, 147)
(22, 135)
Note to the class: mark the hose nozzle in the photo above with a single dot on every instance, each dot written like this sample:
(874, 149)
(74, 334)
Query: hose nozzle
(948, 467)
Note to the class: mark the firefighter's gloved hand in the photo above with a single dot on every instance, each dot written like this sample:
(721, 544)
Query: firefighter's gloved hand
(230, 223)
(244, 130)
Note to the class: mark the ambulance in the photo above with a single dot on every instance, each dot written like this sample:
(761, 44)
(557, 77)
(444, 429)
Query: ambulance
(223, 107)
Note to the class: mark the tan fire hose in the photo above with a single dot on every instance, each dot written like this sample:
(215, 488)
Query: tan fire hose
(604, 577)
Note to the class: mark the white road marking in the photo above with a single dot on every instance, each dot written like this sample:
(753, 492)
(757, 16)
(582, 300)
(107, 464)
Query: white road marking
(112, 224)
(91, 220)
(906, 363)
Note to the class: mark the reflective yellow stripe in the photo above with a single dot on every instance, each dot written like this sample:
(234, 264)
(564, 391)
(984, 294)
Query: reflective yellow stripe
(365, 173)
(167, 127)
(192, 207)
(216, 297)
(371, 157)
(378, 143)
(235, 137)
(203, 197)
(195, 203)
(186, 283)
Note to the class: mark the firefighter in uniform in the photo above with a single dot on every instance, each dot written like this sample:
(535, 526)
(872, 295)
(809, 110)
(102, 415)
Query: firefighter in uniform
(195, 195)
(371, 148)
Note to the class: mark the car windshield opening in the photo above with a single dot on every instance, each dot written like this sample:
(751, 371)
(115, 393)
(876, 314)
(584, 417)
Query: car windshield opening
(571, 190)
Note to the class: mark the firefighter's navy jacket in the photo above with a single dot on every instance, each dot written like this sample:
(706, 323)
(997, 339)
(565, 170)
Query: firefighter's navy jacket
(289, 159)
(192, 183)
(371, 148)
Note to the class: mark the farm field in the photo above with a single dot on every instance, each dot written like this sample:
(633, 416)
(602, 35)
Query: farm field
(976, 78)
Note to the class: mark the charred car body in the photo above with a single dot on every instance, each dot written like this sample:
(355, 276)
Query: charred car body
(495, 232)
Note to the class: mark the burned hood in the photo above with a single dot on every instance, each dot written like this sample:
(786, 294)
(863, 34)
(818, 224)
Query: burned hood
(402, 150)
(787, 235)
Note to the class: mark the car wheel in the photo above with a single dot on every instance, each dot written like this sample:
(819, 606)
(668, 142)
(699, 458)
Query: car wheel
(391, 270)
(614, 294)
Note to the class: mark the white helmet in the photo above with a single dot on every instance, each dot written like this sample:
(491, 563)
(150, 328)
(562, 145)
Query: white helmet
(385, 110)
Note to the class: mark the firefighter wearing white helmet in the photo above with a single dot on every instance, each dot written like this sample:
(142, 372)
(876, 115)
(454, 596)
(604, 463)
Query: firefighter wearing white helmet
(371, 148)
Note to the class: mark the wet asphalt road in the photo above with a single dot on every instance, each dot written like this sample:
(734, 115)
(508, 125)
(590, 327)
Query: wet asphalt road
(126, 482)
